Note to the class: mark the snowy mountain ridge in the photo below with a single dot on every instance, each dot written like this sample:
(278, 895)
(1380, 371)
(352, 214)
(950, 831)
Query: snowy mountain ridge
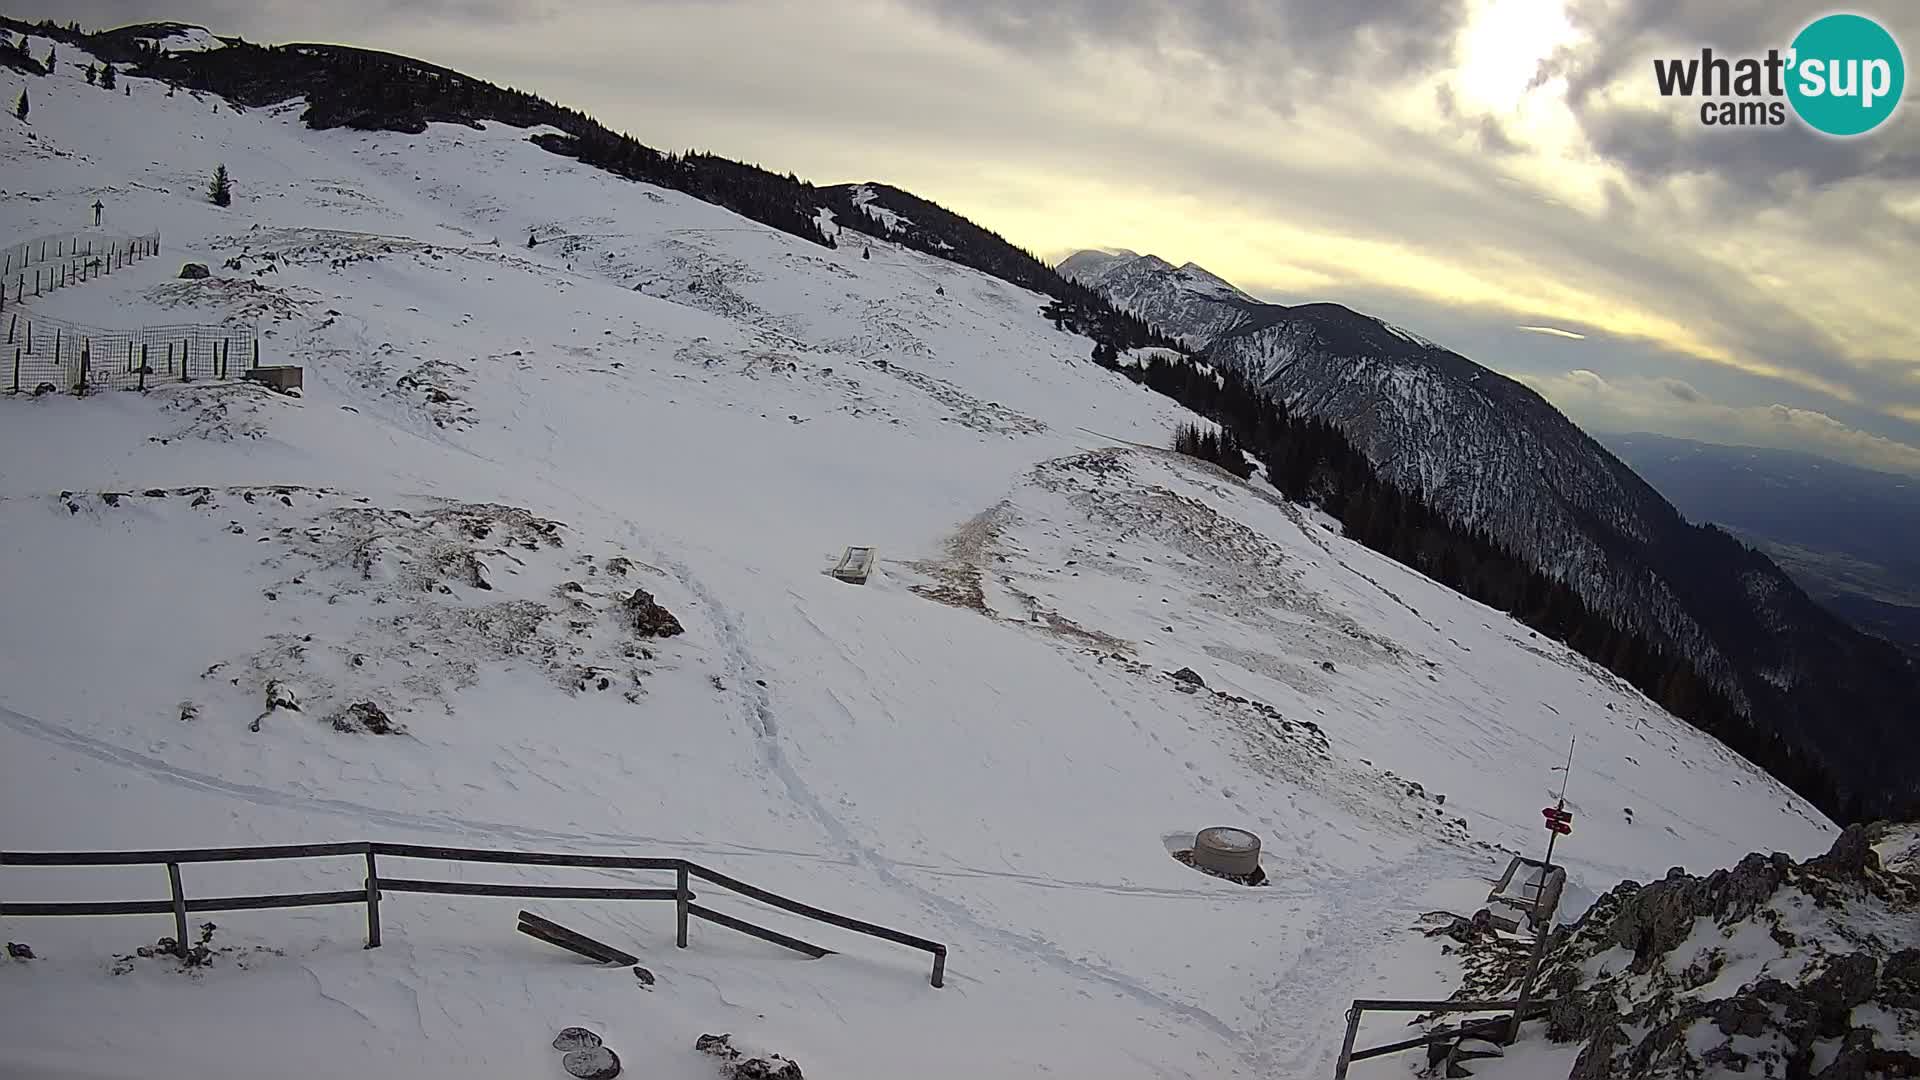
(1492, 454)
(1188, 302)
(1076, 651)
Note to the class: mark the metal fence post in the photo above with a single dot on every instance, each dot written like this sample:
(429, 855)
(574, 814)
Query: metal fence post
(373, 902)
(940, 968)
(680, 905)
(256, 352)
(179, 909)
(16, 369)
(143, 366)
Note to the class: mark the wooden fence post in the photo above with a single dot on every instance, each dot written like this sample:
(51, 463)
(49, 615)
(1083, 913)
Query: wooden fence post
(16, 369)
(179, 909)
(143, 365)
(12, 325)
(86, 363)
(373, 902)
(256, 352)
(940, 968)
(680, 897)
(1526, 983)
(1346, 1048)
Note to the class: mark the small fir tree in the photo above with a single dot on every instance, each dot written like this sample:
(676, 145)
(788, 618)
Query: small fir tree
(220, 191)
(20, 106)
(106, 77)
(93, 74)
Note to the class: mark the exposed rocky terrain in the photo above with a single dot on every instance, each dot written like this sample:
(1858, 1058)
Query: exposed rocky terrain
(1773, 968)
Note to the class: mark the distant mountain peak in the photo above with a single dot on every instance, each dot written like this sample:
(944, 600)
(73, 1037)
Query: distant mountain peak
(1184, 301)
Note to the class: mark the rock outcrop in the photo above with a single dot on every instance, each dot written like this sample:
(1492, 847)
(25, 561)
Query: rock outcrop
(1773, 968)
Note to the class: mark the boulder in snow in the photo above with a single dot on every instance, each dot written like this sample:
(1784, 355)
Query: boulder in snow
(575, 1038)
(195, 271)
(647, 617)
(592, 1063)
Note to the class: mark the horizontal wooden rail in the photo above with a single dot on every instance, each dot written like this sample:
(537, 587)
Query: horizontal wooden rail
(283, 900)
(190, 855)
(375, 884)
(818, 914)
(102, 907)
(557, 892)
(523, 858)
(213, 903)
(1472, 1029)
(760, 932)
(1397, 1005)
(1495, 1026)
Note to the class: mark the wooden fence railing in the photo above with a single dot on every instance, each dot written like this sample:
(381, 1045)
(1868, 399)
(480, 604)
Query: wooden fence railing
(1498, 1028)
(375, 885)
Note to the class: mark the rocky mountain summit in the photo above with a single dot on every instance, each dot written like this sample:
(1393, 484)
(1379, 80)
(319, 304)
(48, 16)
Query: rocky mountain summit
(1772, 968)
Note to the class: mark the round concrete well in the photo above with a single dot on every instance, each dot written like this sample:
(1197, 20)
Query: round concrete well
(1226, 850)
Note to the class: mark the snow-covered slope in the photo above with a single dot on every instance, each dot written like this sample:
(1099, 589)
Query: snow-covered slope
(498, 445)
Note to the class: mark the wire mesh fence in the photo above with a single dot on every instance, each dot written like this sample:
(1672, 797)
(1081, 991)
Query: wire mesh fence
(44, 355)
(45, 263)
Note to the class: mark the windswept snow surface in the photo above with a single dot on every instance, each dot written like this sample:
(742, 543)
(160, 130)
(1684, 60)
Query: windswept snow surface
(982, 746)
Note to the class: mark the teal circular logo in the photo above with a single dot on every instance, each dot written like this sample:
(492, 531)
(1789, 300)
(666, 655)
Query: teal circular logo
(1847, 75)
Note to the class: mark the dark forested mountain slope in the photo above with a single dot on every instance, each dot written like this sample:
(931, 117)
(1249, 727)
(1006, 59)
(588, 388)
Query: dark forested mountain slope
(1493, 455)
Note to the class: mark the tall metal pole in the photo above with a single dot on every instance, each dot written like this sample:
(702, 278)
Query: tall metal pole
(1553, 835)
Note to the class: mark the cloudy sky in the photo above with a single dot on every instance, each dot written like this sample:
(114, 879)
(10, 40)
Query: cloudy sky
(1498, 174)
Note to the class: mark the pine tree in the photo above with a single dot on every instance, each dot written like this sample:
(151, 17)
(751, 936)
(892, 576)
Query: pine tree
(20, 107)
(220, 192)
(50, 58)
(93, 74)
(106, 77)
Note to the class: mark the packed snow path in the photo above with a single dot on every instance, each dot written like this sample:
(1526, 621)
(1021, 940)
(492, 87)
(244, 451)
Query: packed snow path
(983, 744)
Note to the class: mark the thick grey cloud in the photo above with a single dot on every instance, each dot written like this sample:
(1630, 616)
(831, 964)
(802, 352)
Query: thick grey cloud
(1283, 44)
(1621, 38)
